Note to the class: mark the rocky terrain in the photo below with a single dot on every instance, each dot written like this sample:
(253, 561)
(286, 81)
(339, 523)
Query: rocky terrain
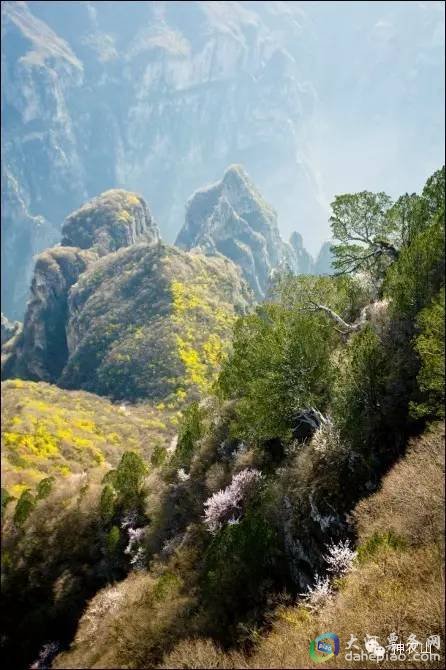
(231, 218)
(88, 105)
(120, 313)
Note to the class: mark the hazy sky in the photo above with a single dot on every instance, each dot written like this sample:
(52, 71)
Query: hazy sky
(378, 72)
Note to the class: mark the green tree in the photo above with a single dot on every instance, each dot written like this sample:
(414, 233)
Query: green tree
(107, 503)
(45, 487)
(430, 346)
(6, 498)
(409, 215)
(434, 194)
(279, 365)
(190, 432)
(24, 506)
(365, 233)
(360, 391)
(113, 538)
(418, 274)
(129, 479)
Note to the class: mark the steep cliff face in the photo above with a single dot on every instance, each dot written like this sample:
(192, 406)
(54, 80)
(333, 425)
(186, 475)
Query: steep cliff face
(323, 263)
(304, 260)
(42, 172)
(155, 97)
(8, 329)
(41, 350)
(231, 218)
(121, 314)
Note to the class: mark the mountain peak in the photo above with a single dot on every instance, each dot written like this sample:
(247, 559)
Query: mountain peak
(114, 219)
(231, 217)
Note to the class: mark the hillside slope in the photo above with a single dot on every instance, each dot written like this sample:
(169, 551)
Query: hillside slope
(118, 313)
(395, 587)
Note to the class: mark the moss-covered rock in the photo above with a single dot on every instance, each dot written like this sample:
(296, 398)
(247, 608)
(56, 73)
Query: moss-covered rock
(123, 315)
(114, 219)
(151, 321)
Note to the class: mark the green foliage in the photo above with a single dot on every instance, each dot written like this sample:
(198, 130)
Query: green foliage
(158, 456)
(6, 498)
(434, 194)
(25, 505)
(380, 542)
(113, 538)
(345, 294)
(408, 215)
(360, 390)
(107, 503)
(286, 357)
(239, 568)
(190, 432)
(129, 479)
(430, 346)
(365, 232)
(279, 365)
(44, 487)
(418, 274)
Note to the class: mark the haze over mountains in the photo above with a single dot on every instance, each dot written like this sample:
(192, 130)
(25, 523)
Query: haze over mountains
(160, 99)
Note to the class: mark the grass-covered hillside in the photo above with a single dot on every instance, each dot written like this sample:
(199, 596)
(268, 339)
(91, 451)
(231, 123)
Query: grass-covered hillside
(50, 432)
(151, 322)
(302, 492)
(116, 312)
(395, 583)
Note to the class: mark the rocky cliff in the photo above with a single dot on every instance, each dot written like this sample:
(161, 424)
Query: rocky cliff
(157, 97)
(122, 314)
(231, 218)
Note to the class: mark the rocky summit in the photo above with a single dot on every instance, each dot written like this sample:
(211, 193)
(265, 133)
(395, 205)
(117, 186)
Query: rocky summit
(131, 96)
(121, 314)
(231, 218)
(113, 220)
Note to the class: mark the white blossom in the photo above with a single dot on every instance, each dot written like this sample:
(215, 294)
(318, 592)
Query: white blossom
(226, 505)
(130, 519)
(46, 656)
(318, 594)
(182, 475)
(339, 558)
(134, 549)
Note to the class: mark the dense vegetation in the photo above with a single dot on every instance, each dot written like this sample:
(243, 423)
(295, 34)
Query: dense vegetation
(326, 384)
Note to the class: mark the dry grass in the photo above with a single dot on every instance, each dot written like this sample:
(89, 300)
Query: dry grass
(126, 626)
(397, 585)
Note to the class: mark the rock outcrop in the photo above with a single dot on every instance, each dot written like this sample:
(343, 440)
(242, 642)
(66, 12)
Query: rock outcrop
(113, 220)
(122, 314)
(304, 260)
(8, 329)
(231, 218)
(132, 97)
(323, 263)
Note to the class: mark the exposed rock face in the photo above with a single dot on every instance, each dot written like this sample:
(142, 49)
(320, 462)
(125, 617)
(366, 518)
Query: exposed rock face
(41, 350)
(304, 260)
(22, 237)
(42, 173)
(142, 321)
(97, 96)
(231, 218)
(9, 329)
(113, 220)
(323, 264)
